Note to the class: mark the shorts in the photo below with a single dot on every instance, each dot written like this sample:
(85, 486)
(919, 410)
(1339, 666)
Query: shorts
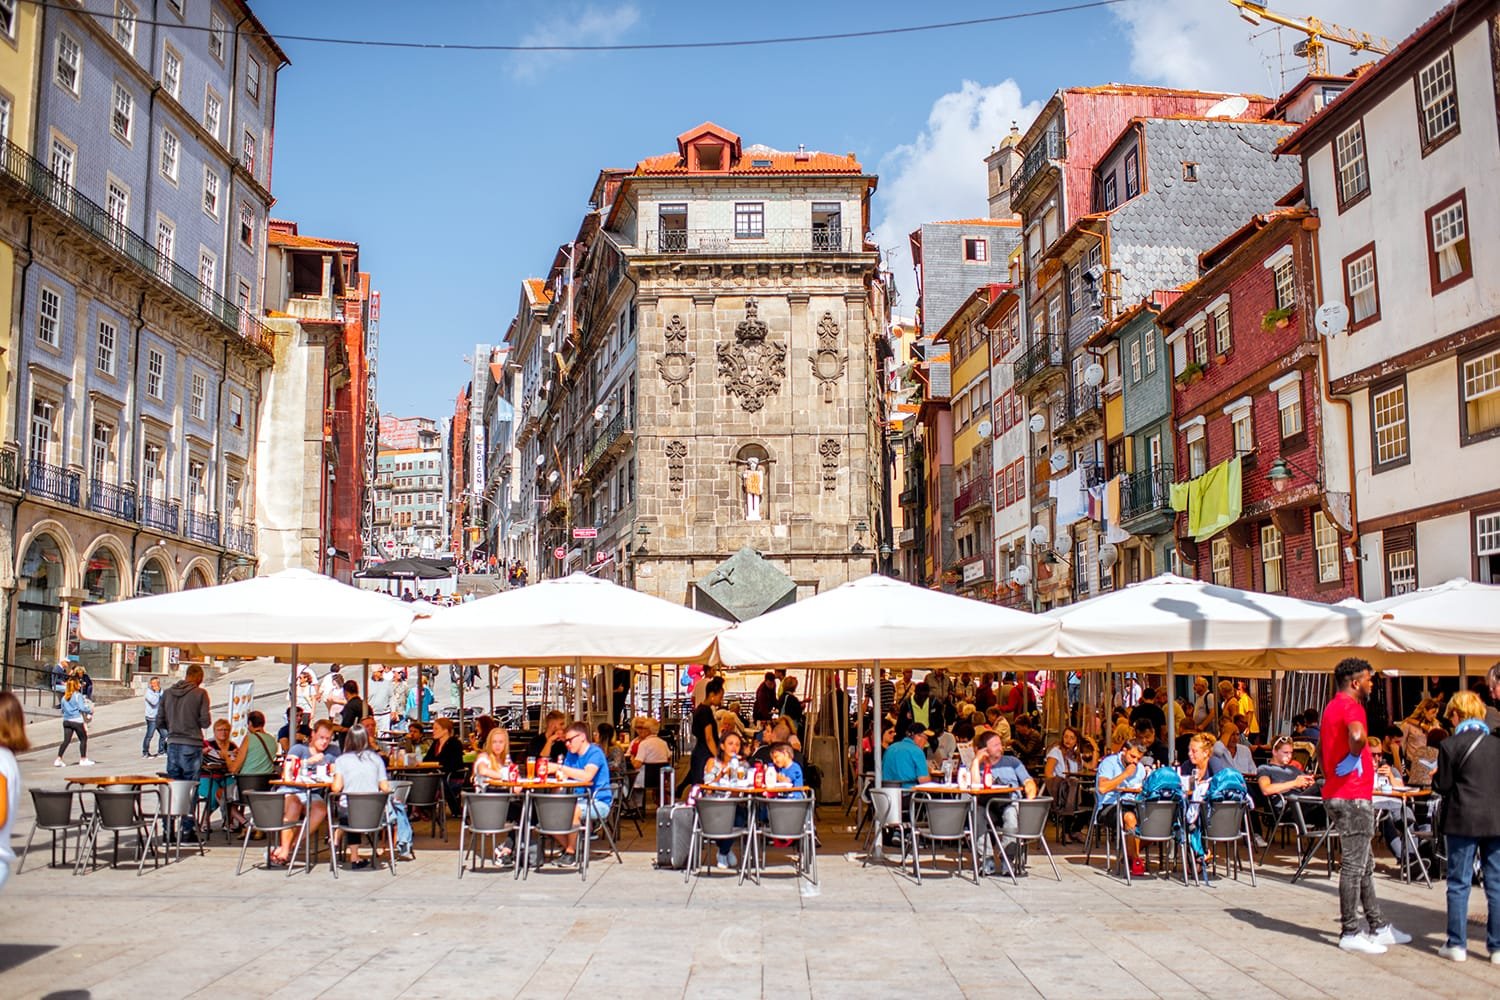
(594, 809)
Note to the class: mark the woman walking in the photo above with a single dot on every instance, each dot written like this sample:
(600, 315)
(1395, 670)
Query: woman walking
(1468, 767)
(12, 741)
(76, 711)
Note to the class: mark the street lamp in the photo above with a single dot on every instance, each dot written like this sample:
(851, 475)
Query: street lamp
(643, 533)
(1280, 476)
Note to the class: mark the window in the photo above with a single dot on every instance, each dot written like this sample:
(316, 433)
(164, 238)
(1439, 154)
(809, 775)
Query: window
(976, 250)
(1481, 396)
(199, 395)
(4, 103)
(166, 238)
(1361, 287)
(1197, 456)
(104, 354)
(1132, 174)
(247, 224)
(194, 482)
(216, 33)
(42, 414)
(208, 277)
(1244, 431)
(171, 71)
(151, 468)
(123, 116)
(213, 111)
(1153, 452)
(1326, 542)
(61, 164)
(236, 410)
(155, 362)
(69, 64)
(1448, 243)
(1199, 335)
(1349, 162)
(1270, 559)
(169, 154)
(232, 497)
(1148, 345)
(210, 192)
(101, 450)
(1389, 425)
(1223, 569)
(247, 156)
(1189, 171)
(117, 207)
(1222, 340)
(749, 220)
(1437, 99)
(1286, 294)
(1487, 547)
(1135, 361)
(49, 317)
(125, 25)
(252, 78)
(1111, 196)
(1289, 408)
(8, 18)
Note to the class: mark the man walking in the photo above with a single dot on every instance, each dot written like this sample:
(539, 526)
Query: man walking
(153, 703)
(1347, 793)
(183, 713)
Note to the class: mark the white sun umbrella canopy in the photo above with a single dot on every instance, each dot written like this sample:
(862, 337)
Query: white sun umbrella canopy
(576, 619)
(1457, 618)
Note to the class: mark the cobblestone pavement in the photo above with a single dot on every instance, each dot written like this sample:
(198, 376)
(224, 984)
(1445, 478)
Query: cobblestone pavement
(192, 928)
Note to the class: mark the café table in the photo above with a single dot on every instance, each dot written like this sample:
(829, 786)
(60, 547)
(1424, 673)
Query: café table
(305, 834)
(753, 819)
(85, 784)
(976, 792)
(528, 787)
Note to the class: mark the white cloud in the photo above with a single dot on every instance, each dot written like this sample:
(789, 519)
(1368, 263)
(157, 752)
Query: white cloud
(589, 26)
(941, 174)
(1205, 44)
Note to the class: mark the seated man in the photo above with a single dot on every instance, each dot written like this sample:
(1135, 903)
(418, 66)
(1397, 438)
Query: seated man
(317, 752)
(416, 742)
(1005, 771)
(370, 726)
(1121, 777)
(304, 731)
(1147, 735)
(904, 762)
(584, 761)
(552, 741)
(1027, 741)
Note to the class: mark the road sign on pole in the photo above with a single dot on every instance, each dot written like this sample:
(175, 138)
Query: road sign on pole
(585, 533)
(560, 553)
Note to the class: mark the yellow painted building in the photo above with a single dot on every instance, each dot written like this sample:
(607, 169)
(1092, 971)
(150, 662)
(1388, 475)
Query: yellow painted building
(973, 434)
(20, 33)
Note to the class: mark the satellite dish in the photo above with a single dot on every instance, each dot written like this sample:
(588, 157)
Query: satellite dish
(599, 413)
(984, 428)
(1038, 423)
(1020, 576)
(1093, 375)
(1039, 535)
(1109, 554)
(552, 476)
(1331, 319)
(1058, 461)
(1229, 107)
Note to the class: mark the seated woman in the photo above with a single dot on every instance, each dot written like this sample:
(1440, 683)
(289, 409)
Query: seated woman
(1121, 731)
(1201, 751)
(1064, 763)
(492, 763)
(724, 769)
(482, 728)
(604, 736)
(214, 778)
(963, 740)
(358, 769)
(449, 755)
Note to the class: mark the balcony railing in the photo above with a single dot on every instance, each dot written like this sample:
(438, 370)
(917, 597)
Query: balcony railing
(1045, 354)
(972, 497)
(19, 167)
(202, 526)
(1147, 491)
(161, 515)
(1051, 146)
(52, 482)
(613, 433)
(112, 499)
(1083, 401)
(908, 497)
(724, 241)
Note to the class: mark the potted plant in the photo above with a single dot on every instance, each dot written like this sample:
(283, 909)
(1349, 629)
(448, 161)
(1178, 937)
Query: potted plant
(1276, 319)
(1191, 372)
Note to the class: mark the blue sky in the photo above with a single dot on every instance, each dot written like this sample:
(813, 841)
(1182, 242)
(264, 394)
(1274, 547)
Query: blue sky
(459, 173)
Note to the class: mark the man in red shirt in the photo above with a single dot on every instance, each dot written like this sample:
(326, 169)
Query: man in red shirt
(1348, 788)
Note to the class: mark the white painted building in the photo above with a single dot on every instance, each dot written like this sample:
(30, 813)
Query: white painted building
(1402, 169)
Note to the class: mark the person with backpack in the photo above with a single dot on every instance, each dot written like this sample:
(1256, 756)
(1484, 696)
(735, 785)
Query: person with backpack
(1467, 770)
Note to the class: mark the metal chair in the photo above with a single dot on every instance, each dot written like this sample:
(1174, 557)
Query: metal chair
(1229, 823)
(54, 814)
(365, 812)
(485, 817)
(609, 826)
(119, 810)
(267, 810)
(626, 806)
(181, 803)
(426, 792)
(1105, 834)
(551, 815)
(944, 821)
(1314, 835)
(794, 820)
(885, 813)
(1031, 825)
(716, 818)
(1156, 822)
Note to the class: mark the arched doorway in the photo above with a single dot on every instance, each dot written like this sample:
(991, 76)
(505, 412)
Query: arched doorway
(101, 584)
(152, 579)
(196, 579)
(39, 607)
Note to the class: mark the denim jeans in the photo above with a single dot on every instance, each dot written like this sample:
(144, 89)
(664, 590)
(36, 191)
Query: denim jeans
(161, 737)
(1354, 821)
(184, 763)
(397, 812)
(1461, 852)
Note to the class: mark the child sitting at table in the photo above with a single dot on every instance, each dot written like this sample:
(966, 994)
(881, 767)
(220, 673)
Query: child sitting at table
(788, 771)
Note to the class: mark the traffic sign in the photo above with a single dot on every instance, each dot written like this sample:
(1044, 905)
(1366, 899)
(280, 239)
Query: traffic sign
(560, 553)
(585, 533)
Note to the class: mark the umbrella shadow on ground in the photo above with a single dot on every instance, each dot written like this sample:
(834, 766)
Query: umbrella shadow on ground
(12, 955)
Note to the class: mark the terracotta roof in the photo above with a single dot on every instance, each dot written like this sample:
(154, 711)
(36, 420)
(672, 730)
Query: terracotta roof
(781, 163)
(536, 290)
(497, 371)
(277, 238)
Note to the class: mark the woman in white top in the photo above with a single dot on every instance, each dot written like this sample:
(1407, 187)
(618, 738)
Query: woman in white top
(12, 741)
(358, 769)
(1064, 763)
(648, 747)
(491, 763)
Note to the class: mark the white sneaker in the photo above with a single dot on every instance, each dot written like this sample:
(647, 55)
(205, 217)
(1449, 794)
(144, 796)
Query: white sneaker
(1361, 943)
(1456, 953)
(1495, 958)
(1389, 935)
(59, 762)
(85, 762)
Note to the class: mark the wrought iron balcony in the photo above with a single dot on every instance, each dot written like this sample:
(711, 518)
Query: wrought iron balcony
(610, 441)
(725, 241)
(160, 515)
(1083, 402)
(1043, 357)
(1051, 146)
(114, 500)
(1147, 492)
(52, 482)
(973, 497)
(202, 526)
(908, 497)
(20, 169)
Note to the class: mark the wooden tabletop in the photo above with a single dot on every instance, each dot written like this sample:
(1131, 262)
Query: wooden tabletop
(425, 765)
(100, 780)
(931, 786)
(525, 785)
(748, 790)
(307, 785)
(1403, 793)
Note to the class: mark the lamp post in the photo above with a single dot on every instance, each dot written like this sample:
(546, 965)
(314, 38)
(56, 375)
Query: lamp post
(1280, 477)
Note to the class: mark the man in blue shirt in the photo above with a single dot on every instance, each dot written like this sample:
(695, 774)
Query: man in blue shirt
(1121, 777)
(585, 761)
(905, 762)
(1005, 771)
(317, 753)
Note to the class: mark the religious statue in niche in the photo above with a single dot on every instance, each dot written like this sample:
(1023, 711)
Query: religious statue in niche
(752, 366)
(753, 479)
(828, 361)
(676, 365)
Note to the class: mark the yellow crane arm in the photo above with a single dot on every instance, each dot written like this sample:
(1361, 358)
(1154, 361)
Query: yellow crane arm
(1317, 32)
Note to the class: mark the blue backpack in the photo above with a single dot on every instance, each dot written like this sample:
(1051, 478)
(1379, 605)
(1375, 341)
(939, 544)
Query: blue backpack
(1162, 783)
(1228, 786)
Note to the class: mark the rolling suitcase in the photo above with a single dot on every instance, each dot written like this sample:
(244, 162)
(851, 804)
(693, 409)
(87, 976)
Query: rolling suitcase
(674, 826)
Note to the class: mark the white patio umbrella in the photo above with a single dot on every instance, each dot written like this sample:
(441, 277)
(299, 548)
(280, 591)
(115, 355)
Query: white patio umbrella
(1457, 618)
(886, 622)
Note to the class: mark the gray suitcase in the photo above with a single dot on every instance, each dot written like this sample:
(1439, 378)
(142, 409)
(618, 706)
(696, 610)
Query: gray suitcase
(674, 826)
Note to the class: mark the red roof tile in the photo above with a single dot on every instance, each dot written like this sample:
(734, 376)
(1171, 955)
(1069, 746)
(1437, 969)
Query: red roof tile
(780, 163)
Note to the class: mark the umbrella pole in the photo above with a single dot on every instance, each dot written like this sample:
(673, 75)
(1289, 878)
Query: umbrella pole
(420, 678)
(364, 691)
(879, 718)
(859, 726)
(1463, 673)
(491, 674)
(461, 686)
(1218, 704)
(291, 711)
(578, 689)
(1171, 712)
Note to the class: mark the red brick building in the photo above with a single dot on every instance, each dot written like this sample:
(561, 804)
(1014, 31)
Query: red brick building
(1248, 384)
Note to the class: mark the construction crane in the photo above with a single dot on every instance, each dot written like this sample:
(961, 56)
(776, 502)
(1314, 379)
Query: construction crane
(1312, 48)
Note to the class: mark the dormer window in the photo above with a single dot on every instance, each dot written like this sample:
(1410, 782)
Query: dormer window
(710, 156)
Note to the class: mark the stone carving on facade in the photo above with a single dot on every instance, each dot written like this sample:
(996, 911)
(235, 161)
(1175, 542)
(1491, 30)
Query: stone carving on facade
(828, 362)
(830, 451)
(752, 366)
(676, 453)
(676, 364)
